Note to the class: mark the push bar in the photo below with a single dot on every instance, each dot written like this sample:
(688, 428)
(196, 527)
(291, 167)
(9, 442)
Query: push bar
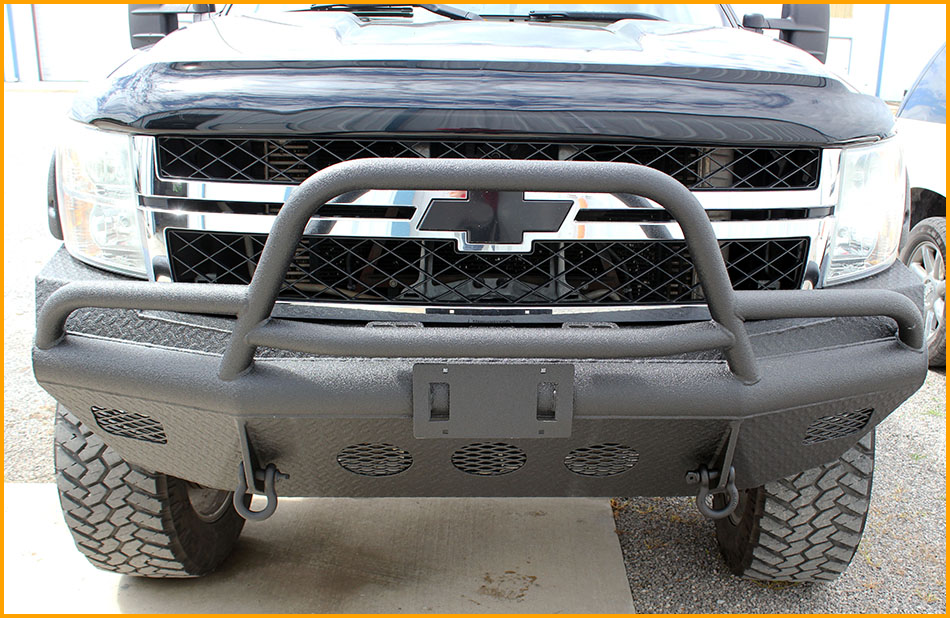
(254, 303)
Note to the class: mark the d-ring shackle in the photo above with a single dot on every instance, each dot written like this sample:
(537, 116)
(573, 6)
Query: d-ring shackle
(705, 491)
(270, 493)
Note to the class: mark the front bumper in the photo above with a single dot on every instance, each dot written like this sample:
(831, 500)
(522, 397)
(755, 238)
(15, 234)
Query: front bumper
(756, 382)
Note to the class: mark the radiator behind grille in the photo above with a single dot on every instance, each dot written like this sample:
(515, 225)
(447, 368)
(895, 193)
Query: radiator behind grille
(433, 272)
(292, 160)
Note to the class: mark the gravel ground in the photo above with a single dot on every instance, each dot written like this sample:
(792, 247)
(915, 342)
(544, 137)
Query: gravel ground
(669, 549)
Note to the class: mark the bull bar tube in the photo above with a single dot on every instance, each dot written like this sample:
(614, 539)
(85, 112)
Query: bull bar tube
(253, 304)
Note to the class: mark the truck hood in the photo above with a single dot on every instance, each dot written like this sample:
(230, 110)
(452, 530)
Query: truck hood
(330, 73)
(341, 36)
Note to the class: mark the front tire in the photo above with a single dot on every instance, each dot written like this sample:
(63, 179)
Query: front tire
(128, 520)
(925, 254)
(805, 527)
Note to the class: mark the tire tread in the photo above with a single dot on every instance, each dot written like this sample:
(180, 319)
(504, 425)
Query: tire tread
(126, 519)
(805, 527)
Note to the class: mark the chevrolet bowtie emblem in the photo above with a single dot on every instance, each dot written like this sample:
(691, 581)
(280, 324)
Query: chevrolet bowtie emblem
(495, 217)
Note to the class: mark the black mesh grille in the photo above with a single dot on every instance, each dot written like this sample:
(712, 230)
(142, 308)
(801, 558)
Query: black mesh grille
(601, 459)
(433, 272)
(129, 425)
(290, 161)
(837, 426)
(376, 459)
(488, 458)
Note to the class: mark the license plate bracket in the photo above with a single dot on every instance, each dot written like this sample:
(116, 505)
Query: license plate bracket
(492, 400)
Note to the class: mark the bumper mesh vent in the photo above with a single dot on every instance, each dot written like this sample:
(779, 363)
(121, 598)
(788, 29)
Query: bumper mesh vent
(130, 425)
(374, 459)
(488, 458)
(607, 459)
(291, 161)
(433, 272)
(837, 426)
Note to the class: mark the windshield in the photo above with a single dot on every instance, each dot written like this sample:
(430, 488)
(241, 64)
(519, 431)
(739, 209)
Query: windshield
(699, 14)
(927, 99)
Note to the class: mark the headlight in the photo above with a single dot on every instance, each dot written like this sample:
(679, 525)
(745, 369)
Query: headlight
(96, 192)
(870, 211)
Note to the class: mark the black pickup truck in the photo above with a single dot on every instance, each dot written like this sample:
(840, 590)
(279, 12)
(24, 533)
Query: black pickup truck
(475, 250)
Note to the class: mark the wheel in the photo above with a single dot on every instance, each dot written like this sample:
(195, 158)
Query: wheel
(802, 528)
(926, 255)
(128, 520)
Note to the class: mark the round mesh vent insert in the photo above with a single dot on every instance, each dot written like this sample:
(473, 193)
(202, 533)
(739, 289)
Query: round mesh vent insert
(376, 459)
(601, 459)
(837, 426)
(129, 425)
(488, 458)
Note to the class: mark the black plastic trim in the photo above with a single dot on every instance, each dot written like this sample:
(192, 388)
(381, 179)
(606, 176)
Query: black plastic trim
(52, 203)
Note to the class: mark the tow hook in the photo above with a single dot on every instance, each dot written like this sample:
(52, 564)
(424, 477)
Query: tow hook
(705, 478)
(268, 476)
(262, 482)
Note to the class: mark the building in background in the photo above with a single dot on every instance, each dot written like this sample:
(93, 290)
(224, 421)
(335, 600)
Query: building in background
(63, 42)
(880, 48)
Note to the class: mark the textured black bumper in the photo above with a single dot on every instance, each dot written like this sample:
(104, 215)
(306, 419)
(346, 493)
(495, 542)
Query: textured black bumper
(322, 401)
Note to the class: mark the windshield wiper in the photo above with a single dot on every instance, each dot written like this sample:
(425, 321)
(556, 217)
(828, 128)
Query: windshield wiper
(588, 16)
(397, 10)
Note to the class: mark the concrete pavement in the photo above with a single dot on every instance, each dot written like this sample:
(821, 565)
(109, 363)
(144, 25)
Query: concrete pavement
(343, 555)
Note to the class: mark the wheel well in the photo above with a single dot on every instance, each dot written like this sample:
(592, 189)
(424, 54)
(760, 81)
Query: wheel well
(925, 203)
